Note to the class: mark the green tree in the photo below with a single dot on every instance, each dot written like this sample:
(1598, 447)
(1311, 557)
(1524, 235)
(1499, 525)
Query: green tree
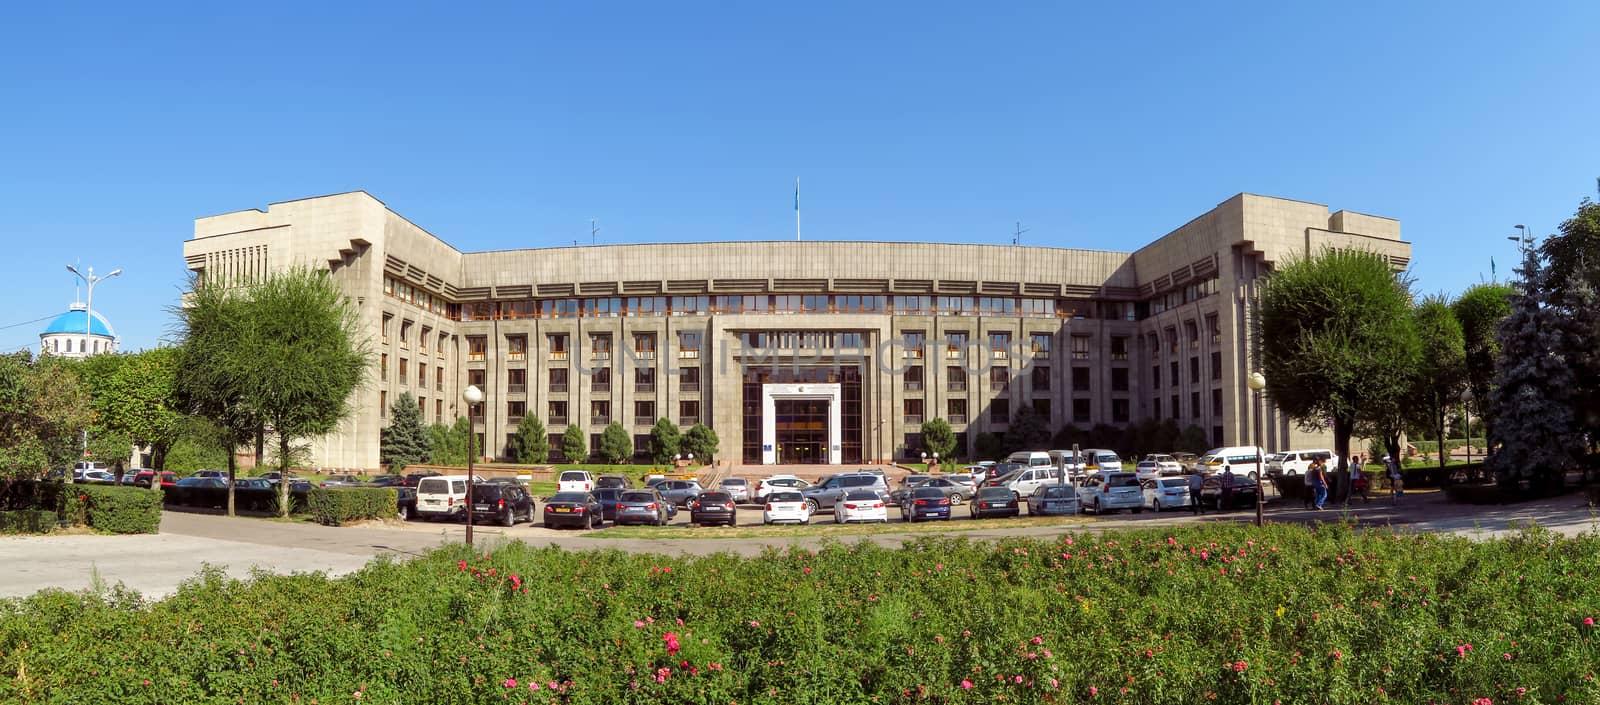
(939, 439)
(574, 446)
(1336, 340)
(1027, 431)
(990, 446)
(210, 376)
(665, 441)
(1569, 284)
(405, 441)
(533, 443)
(140, 401)
(615, 444)
(702, 441)
(447, 445)
(1480, 310)
(1442, 371)
(1193, 440)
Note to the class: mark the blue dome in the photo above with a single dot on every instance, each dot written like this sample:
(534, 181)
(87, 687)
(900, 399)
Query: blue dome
(72, 322)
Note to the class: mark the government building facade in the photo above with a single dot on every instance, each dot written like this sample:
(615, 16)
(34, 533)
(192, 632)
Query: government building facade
(795, 352)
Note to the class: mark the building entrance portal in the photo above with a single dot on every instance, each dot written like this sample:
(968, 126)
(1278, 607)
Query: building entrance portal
(800, 424)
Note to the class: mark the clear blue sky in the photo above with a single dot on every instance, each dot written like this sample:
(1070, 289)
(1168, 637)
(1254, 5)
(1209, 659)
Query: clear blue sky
(1100, 126)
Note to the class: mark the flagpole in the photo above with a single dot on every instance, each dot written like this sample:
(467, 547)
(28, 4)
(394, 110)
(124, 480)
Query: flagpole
(797, 209)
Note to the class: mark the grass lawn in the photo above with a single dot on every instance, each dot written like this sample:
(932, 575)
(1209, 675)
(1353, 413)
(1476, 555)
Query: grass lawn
(755, 530)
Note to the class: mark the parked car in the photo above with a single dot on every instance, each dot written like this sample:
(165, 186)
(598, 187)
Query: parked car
(993, 502)
(952, 489)
(144, 478)
(1245, 461)
(613, 482)
(737, 486)
(95, 477)
(1166, 464)
(405, 502)
(274, 477)
(1187, 460)
(442, 496)
(1244, 492)
(832, 491)
(643, 506)
(914, 479)
(714, 507)
(199, 492)
(969, 476)
(1023, 482)
(1101, 460)
(210, 473)
(412, 479)
(1050, 500)
(575, 481)
(1296, 462)
(862, 504)
(778, 482)
(1109, 491)
(785, 507)
(579, 509)
(502, 502)
(1165, 492)
(386, 480)
(925, 503)
(342, 481)
(679, 492)
(506, 480)
(609, 498)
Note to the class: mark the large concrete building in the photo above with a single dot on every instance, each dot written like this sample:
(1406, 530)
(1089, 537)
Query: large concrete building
(795, 352)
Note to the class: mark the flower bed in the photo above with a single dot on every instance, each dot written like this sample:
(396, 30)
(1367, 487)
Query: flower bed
(1203, 615)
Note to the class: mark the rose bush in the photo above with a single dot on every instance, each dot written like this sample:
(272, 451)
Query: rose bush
(1209, 614)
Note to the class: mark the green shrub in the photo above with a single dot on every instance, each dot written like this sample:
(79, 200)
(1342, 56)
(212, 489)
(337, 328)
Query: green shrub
(334, 506)
(122, 510)
(27, 521)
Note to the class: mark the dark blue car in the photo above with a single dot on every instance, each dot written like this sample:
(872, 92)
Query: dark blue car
(925, 503)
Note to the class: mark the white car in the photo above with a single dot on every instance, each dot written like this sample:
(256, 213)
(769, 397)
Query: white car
(96, 476)
(1147, 470)
(768, 485)
(861, 505)
(786, 507)
(1296, 462)
(1101, 460)
(1167, 464)
(1109, 491)
(575, 481)
(1166, 493)
(1026, 481)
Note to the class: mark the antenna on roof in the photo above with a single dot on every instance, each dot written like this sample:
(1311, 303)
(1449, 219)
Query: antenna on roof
(594, 230)
(1016, 237)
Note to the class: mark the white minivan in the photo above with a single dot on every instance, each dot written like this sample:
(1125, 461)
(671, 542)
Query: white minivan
(1296, 462)
(442, 496)
(575, 481)
(1030, 458)
(1245, 460)
(1026, 481)
(1101, 460)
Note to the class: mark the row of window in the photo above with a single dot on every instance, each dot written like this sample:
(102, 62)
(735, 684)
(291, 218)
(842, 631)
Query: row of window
(1194, 371)
(644, 379)
(1188, 294)
(644, 413)
(1191, 331)
(405, 372)
(1194, 406)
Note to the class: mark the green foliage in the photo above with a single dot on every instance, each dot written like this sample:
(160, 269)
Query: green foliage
(1315, 615)
(533, 442)
(574, 446)
(616, 446)
(1026, 432)
(1535, 425)
(1480, 310)
(447, 445)
(665, 441)
(1441, 373)
(1193, 440)
(43, 409)
(139, 400)
(938, 437)
(121, 510)
(1336, 340)
(189, 454)
(27, 521)
(1569, 289)
(333, 506)
(990, 446)
(405, 441)
(702, 441)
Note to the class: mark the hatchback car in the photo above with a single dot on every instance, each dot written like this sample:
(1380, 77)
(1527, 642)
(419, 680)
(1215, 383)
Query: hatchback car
(786, 507)
(924, 503)
(579, 509)
(778, 482)
(1051, 500)
(993, 502)
(501, 502)
(575, 481)
(1166, 492)
(1167, 464)
(954, 490)
(609, 497)
(1109, 491)
(679, 492)
(714, 507)
(613, 482)
(643, 506)
(860, 505)
(144, 478)
(830, 492)
(737, 486)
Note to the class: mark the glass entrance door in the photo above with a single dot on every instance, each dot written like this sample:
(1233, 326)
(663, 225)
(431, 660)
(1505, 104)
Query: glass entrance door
(802, 431)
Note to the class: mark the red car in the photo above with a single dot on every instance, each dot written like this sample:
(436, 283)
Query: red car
(143, 478)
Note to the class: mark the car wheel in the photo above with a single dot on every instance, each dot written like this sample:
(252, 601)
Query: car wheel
(510, 518)
(956, 499)
(1155, 506)
(1291, 472)
(405, 513)
(1253, 477)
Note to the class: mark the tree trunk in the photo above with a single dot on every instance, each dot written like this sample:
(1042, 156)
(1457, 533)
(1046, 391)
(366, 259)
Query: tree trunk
(261, 444)
(158, 456)
(283, 475)
(1343, 428)
(1444, 475)
(233, 469)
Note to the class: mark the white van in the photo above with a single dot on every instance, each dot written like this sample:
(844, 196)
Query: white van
(1245, 461)
(1101, 460)
(1030, 458)
(1296, 462)
(1026, 481)
(442, 496)
(1063, 459)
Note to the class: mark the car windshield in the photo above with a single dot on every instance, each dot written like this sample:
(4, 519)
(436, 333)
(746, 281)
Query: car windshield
(1175, 482)
(734, 482)
(785, 497)
(486, 490)
(638, 497)
(1058, 491)
(574, 497)
(574, 476)
(1122, 479)
(994, 493)
(432, 486)
(927, 492)
(859, 480)
(1108, 458)
(861, 494)
(716, 497)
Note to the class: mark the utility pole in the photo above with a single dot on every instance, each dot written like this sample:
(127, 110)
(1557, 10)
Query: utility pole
(1016, 237)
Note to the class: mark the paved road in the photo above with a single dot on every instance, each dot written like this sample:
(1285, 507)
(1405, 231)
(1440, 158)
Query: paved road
(156, 564)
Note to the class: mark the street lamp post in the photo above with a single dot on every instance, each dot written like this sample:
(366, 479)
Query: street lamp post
(1522, 238)
(1257, 382)
(472, 395)
(1466, 406)
(88, 310)
(935, 461)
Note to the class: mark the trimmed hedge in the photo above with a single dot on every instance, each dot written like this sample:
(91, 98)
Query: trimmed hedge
(333, 506)
(27, 521)
(122, 510)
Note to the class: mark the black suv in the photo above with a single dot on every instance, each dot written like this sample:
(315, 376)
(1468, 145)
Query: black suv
(502, 502)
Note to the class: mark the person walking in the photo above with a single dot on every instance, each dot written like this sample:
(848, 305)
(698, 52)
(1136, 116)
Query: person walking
(1196, 481)
(1396, 488)
(1359, 483)
(1317, 480)
(1226, 501)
